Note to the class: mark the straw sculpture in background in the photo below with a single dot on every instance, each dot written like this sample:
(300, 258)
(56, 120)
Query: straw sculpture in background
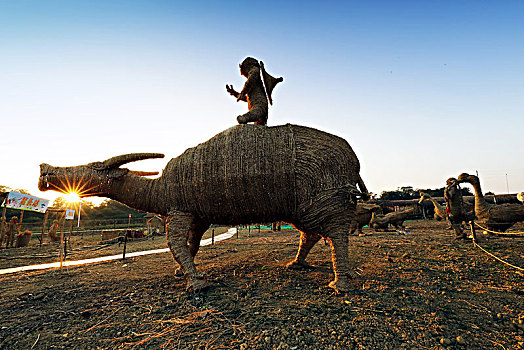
(362, 216)
(440, 210)
(23, 239)
(396, 218)
(243, 175)
(256, 92)
(455, 203)
(53, 232)
(379, 222)
(496, 217)
(13, 229)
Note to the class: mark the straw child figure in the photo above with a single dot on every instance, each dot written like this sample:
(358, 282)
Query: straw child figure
(453, 197)
(256, 91)
(52, 233)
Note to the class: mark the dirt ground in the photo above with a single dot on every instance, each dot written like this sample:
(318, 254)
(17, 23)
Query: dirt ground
(416, 291)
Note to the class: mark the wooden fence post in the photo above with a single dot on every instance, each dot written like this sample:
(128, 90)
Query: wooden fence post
(3, 228)
(44, 224)
(21, 218)
(61, 245)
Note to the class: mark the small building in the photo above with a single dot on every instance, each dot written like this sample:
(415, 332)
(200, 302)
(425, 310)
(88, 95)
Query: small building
(156, 224)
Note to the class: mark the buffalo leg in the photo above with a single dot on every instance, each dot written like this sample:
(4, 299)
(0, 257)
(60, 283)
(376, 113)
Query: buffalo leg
(329, 214)
(307, 241)
(195, 233)
(354, 226)
(340, 257)
(178, 227)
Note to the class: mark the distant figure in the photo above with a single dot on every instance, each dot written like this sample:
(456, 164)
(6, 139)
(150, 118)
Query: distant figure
(254, 92)
(12, 231)
(453, 197)
(53, 232)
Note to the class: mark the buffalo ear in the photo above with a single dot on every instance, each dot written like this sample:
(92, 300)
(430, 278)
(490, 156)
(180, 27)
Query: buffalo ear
(143, 173)
(117, 173)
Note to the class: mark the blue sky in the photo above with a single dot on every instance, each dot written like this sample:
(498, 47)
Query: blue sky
(421, 90)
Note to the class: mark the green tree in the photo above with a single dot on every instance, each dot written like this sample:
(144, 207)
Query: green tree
(404, 193)
(59, 203)
(113, 209)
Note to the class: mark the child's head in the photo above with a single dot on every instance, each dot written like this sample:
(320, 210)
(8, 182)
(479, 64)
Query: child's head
(247, 64)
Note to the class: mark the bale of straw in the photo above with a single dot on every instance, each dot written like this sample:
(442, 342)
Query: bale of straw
(362, 216)
(23, 238)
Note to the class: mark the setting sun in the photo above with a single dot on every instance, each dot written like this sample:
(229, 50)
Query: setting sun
(72, 197)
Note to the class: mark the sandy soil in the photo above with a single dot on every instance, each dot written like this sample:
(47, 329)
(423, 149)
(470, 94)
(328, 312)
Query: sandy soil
(417, 291)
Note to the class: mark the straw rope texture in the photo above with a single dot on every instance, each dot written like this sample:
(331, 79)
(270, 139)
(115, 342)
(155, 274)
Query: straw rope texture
(252, 173)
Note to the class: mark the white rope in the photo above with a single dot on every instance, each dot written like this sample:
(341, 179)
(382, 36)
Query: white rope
(499, 233)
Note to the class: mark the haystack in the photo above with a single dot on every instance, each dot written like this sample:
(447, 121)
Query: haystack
(23, 238)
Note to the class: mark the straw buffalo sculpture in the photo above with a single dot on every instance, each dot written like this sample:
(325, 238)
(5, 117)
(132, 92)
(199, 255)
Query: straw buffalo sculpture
(245, 174)
(440, 210)
(396, 219)
(362, 217)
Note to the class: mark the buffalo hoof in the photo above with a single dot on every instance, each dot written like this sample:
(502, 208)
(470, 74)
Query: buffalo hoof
(200, 275)
(198, 285)
(180, 273)
(295, 265)
(339, 286)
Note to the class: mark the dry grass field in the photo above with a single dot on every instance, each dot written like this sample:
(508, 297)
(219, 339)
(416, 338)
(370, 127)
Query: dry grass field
(417, 291)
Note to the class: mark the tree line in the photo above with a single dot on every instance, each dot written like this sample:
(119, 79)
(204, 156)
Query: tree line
(408, 192)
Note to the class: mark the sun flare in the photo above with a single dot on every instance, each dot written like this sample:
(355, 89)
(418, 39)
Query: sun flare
(72, 197)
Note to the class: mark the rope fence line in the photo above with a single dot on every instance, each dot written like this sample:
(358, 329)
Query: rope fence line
(498, 233)
(474, 240)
